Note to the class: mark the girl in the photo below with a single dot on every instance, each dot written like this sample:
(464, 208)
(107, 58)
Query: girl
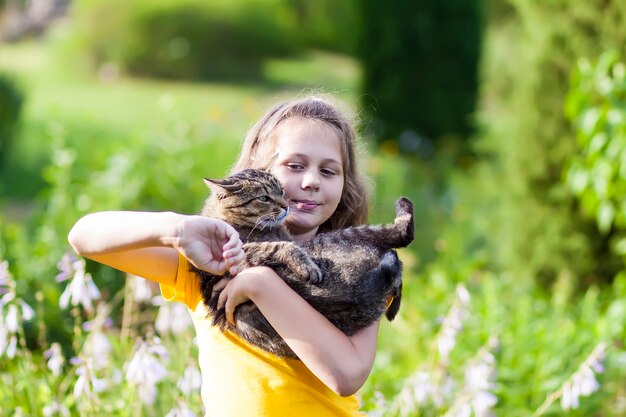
(310, 147)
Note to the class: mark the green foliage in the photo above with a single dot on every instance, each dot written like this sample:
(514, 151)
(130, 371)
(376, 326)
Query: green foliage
(137, 146)
(191, 39)
(420, 65)
(327, 24)
(11, 100)
(536, 344)
(596, 104)
(528, 216)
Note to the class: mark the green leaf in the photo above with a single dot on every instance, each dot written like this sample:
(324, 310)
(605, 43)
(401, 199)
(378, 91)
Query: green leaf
(620, 246)
(605, 216)
(589, 121)
(597, 143)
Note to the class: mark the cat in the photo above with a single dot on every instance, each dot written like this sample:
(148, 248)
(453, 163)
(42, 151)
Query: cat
(352, 276)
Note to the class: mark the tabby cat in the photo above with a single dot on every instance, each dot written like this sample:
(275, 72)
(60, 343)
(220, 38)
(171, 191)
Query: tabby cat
(352, 276)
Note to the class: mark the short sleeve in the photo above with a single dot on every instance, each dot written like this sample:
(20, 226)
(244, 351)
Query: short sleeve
(186, 288)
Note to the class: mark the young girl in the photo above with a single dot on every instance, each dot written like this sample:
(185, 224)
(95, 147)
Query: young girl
(310, 147)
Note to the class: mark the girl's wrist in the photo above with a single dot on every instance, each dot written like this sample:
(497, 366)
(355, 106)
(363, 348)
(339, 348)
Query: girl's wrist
(172, 231)
(258, 281)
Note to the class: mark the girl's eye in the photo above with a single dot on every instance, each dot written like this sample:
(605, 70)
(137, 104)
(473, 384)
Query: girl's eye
(264, 198)
(328, 172)
(295, 167)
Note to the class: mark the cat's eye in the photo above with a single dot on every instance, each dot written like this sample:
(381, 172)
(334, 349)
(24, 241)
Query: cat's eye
(264, 198)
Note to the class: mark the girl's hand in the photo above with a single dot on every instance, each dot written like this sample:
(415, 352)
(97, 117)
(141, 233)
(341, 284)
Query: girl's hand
(210, 244)
(241, 288)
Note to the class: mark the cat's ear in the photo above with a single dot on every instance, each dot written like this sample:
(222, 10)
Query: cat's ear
(222, 186)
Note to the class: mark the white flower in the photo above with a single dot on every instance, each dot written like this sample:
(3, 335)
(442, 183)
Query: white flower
(87, 385)
(11, 319)
(68, 265)
(181, 410)
(55, 359)
(452, 324)
(81, 290)
(583, 382)
(11, 349)
(6, 281)
(142, 293)
(172, 318)
(191, 380)
(27, 312)
(380, 407)
(4, 335)
(97, 346)
(483, 402)
(13, 311)
(145, 370)
(476, 398)
(55, 409)
(423, 387)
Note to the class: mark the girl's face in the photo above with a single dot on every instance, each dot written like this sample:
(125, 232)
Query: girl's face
(309, 166)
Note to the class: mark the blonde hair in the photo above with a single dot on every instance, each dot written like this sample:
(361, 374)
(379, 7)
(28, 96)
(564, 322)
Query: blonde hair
(352, 208)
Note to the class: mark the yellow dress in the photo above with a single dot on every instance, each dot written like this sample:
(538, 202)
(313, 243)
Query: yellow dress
(240, 380)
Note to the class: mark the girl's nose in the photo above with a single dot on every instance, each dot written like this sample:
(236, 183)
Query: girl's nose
(311, 181)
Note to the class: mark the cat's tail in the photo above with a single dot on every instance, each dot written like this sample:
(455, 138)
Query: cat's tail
(403, 224)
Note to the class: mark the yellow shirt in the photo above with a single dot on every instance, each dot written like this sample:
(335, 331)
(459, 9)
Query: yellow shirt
(240, 380)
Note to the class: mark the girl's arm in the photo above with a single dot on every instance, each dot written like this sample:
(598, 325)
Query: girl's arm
(147, 244)
(342, 363)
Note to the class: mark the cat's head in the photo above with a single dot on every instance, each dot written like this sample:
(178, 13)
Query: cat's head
(248, 198)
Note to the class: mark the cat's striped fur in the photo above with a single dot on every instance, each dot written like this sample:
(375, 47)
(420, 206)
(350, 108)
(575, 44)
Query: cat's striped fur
(349, 275)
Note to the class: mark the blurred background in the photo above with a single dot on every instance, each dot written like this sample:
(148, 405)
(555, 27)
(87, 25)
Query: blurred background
(503, 120)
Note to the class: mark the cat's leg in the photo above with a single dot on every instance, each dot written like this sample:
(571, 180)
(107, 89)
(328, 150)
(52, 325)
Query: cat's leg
(282, 253)
(399, 234)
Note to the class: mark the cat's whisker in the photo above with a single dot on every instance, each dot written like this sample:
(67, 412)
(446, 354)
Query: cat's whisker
(258, 222)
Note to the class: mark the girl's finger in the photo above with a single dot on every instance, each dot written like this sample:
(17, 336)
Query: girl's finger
(222, 299)
(220, 285)
(233, 241)
(230, 312)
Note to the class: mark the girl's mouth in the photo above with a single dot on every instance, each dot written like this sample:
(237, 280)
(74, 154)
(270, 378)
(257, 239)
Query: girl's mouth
(305, 204)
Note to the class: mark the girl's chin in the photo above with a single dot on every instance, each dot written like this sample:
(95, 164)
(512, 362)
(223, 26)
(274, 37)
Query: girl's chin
(299, 225)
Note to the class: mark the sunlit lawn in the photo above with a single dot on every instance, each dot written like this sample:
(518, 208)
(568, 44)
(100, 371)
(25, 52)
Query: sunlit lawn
(92, 106)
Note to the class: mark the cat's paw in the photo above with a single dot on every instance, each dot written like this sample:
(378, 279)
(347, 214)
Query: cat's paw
(315, 274)
(309, 271)
(404, 205)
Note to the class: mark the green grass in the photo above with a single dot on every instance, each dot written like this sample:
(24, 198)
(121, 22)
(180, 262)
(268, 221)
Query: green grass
(91, 110)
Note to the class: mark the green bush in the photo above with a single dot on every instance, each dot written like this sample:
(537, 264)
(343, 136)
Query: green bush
(10, 105)
(190, 39)
(596, 104)
(328, 24)
(420, 65)
(527, 215)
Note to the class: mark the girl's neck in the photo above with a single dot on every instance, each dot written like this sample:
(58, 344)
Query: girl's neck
(304, 237)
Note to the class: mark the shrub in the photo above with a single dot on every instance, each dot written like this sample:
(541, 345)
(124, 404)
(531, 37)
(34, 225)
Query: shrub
(10, 105)
(596, 173)
(420, 65)
(189, 39)
(528, 216)
(327, 24)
